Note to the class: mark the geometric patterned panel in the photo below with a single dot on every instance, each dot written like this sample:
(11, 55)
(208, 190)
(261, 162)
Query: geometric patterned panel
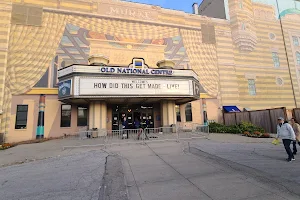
(124, 29)
(203, 59)
(31, 49)
(74, 46)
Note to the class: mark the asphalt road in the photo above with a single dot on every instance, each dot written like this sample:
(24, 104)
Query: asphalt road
(73, 177)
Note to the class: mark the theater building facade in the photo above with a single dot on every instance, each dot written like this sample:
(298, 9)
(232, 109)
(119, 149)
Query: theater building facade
(68, 66)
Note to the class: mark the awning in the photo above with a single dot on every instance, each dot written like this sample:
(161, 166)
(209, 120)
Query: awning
(231, 109)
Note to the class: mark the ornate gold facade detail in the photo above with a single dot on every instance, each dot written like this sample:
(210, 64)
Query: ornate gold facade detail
(122, 53)
(242, 25)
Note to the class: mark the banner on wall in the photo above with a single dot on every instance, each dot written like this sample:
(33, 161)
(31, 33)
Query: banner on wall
(64, 88)
(134, 87)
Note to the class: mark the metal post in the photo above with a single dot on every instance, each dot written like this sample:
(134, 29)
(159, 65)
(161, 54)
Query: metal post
(208, 129)
(40, 124)
(204, 112)
(177, 133)
(143, 136)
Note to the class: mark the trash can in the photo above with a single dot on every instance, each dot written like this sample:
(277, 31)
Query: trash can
(94, 132)
(173, 126)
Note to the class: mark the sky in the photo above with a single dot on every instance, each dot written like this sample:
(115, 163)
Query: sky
(183, 5)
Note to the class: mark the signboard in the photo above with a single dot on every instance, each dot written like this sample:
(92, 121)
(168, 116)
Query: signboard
(136, 71)
(197, 89)
(126, 71)
(127, 11)
(134, 87)
(64, 88)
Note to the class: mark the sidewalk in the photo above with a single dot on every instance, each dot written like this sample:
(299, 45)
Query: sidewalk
(163, 171)
(38, 151)
(29, 152)
(263, 157)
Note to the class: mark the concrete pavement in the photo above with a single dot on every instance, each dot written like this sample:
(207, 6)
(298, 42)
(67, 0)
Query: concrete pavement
(223, 167)
(258, 157)
(53, 148)
(73, 177)
(49, 149)
(166, 171)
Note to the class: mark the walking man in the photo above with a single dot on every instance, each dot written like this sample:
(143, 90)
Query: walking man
(287, 134)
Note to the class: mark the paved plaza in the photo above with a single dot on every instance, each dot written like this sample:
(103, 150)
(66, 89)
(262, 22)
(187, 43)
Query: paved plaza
(219, 168)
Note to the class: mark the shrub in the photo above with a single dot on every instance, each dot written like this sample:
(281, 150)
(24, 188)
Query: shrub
(246, 133)
(220, 128)
(217, 128)
(245, 127)
(5, 146)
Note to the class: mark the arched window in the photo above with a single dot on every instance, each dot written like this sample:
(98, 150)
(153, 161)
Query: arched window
(252, 87)
(241, 4)
(243, 27)
(276, 59)
(298, 58)
(188, 112)
(295, 41)
(63, 64)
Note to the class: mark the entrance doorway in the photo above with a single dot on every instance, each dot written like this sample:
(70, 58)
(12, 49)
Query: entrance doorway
(132, 116)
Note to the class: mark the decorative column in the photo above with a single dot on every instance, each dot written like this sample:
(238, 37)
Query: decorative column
(40, 124)
(182, 113)
(98, 117)
(168, 113)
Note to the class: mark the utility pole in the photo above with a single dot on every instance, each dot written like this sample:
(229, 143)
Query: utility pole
(285, 48)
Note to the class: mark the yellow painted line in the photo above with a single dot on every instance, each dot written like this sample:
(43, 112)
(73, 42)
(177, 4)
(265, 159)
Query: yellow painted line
(205, 96)
(43, 91)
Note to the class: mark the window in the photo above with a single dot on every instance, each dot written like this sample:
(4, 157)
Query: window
(298, 58)
(295, 41)
(252, 87)
(82, 117)
(276, 59)
(243, 27)
(65, 120)
(188, 112)
(21, 118)
(178, 113)
(241, 4)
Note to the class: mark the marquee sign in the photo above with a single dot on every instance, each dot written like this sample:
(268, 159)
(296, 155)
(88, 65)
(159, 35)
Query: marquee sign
(133, 71)
(125, 71)
(134, 87)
